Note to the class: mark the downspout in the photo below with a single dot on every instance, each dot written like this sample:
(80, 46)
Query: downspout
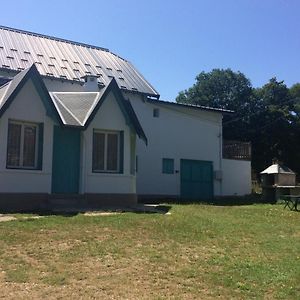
(221, 155)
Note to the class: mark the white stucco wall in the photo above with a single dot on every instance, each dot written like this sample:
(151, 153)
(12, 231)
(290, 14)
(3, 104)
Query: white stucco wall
(109, 117)
(178, 134)
(27, 106)
(236, 177)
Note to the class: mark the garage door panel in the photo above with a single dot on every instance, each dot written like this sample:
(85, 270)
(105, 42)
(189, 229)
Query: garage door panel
(196, 179)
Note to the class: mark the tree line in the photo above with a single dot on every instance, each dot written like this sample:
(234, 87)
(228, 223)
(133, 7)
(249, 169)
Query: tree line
(268, 116)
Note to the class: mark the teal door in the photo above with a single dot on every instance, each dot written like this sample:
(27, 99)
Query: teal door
(66, 160)
(196, 178)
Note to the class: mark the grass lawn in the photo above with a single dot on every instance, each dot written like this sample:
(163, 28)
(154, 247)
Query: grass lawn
(197, 252)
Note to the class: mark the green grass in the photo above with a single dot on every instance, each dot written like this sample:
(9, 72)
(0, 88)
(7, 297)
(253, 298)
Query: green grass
(197, 252)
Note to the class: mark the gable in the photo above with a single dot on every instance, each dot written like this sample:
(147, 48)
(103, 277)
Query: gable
(69, 109)
(27, 104)
(13, 88)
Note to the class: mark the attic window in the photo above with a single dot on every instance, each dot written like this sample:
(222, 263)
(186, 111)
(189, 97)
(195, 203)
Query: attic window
(155, 112)
(49, 74)
(51, 65)
(14, 50)
(52, 57)
(88, 65)
(99, 74)
(123, 87)
(134, 89)
(20, 69)
(65, 60)
(38, 63)
(109, 69)
(1, 47)
(76, 62)
(110, 76)
(121, 78)
(24, 59)
(120, 71)
(40, 55)
(63, 76)
(9, 57)
(65, 68)
(87, 72)
(99, 67)
(5, 66)
(26, 52)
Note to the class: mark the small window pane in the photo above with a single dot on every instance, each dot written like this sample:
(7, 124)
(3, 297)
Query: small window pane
(98, 151)
(156, 112)
(112, 152)
(168, 166)
(14, 144)
(29, 146)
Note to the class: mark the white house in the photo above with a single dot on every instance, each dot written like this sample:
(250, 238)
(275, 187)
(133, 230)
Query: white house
(79, 122)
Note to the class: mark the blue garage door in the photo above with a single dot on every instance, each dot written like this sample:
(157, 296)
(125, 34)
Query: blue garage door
(196, 178)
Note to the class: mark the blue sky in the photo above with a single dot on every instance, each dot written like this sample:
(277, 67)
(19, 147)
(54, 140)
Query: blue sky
(171, 41)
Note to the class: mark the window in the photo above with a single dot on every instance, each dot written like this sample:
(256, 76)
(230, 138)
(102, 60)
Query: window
(24, 145)
(155, 112)
(107, 152)
(168, 166)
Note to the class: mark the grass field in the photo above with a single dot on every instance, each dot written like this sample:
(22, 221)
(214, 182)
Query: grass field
(197, 252)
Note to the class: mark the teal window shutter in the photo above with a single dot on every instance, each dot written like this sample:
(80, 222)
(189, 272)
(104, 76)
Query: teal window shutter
(121, 152)
(168, 166)
(40, 147)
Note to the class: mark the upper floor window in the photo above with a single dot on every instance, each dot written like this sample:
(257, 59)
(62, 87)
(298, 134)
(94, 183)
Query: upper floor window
(23, 145)
(107, 151)
(156, 112)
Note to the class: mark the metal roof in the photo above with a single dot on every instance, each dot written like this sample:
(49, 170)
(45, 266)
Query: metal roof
(193, 106)
(75, 108)
(68, 60)
(277, 169)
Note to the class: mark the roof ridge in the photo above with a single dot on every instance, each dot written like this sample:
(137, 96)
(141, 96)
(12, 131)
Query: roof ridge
(55, 38)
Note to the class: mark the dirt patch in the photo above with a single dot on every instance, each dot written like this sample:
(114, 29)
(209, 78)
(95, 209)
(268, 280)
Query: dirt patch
(4, 218)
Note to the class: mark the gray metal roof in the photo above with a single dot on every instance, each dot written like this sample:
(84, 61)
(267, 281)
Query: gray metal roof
(75, 108)
(64, 59)
(193, 106)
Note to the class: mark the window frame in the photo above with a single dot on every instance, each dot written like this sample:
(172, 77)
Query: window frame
(36, 147)
(165, 169)
(106, 133)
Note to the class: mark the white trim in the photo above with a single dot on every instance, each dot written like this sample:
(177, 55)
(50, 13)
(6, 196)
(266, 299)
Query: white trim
(7, 87)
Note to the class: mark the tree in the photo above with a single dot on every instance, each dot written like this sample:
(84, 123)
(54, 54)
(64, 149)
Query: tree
(272, 131)
(219, 88)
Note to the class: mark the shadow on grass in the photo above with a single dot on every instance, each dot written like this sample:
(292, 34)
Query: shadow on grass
(66, 211)
(219, 201)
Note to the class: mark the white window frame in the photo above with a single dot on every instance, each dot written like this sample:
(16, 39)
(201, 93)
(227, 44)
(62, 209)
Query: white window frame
(23, 124)
(106, 133)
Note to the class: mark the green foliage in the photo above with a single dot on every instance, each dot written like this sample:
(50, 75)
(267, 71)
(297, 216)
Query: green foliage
(269, 116)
